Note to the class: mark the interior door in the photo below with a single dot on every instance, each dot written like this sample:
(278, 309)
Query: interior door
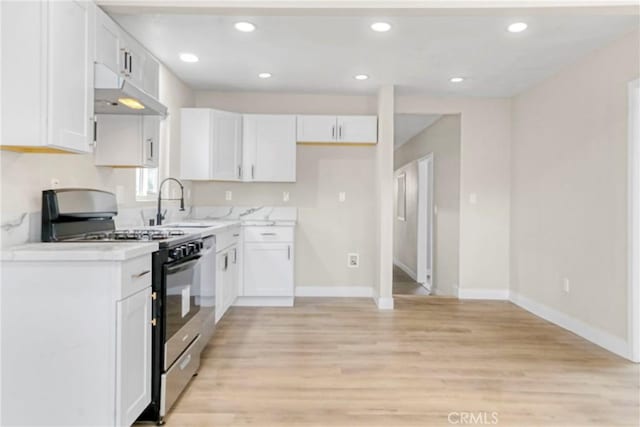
(133, 361)
(70, 79)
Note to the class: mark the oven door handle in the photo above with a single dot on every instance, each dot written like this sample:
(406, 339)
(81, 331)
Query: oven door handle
(183, 266)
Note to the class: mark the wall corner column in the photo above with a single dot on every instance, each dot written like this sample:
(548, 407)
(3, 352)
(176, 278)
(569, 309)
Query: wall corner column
(384, 193)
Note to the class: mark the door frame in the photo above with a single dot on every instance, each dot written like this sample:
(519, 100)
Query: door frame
(424, 252)
(634, 220)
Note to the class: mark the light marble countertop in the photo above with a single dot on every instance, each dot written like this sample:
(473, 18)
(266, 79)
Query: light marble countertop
(78, 251)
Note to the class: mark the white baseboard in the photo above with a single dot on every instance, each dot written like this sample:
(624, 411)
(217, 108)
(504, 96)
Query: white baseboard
(384, 303)
(597, 336)
(404, 267)
(264, 302)
(335, 291)
(491, 294)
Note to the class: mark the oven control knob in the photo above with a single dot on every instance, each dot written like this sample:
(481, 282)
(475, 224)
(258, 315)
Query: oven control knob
(187, 250)
(176, 253)
(192, 248)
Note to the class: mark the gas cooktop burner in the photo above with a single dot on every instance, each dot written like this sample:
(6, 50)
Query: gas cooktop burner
(135, 234)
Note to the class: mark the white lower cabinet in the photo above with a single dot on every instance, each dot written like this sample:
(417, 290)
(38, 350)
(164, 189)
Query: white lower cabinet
(76, 340)
(267, 266)
(227, 270)
(133, 349)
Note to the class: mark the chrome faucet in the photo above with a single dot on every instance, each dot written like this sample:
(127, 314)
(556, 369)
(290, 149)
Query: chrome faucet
(159, 214)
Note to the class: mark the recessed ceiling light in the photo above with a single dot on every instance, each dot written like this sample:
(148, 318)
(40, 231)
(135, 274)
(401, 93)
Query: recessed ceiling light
(188, 57)
(517, 27)
(361, 77)
(264, 75)
(456, 79)
(245, 27)
(381, 27)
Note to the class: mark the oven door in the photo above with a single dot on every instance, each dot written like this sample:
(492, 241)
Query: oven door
(181, 307)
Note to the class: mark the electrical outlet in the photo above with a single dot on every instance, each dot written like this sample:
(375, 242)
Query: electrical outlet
(353, 260)
(342, 196)
(285, 196)
(228, 195)
(55, 183)
(566, 285)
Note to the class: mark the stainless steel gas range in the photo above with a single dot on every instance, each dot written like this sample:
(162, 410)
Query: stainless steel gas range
(73, 215)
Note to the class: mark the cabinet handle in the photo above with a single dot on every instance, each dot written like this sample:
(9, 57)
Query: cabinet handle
(289, 252)
(235, 256)
(236, 235)
(226, 262)
(340, 132)
(139, 275)
(268, 234)
(150, 142)
(126, 61)
(130, 63)
(239, 171)
(185, 362)
(253, 175)
(333, 132)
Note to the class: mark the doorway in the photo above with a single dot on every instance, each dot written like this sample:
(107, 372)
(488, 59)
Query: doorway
(427, 205)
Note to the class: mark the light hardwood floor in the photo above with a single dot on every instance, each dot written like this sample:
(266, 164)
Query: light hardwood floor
(341, 362)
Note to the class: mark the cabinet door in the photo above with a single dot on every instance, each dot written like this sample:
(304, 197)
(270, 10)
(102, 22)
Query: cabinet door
(270, 141)
(109, 47)
(317, 128)
(137, 59)
(151, 76)
(70, 52)
(150, 141)
(222, 259)
(133, 356)
(358, 129)
(268, 269)
(227, 146)
(231, 281)
(195, 143)
(120, 140)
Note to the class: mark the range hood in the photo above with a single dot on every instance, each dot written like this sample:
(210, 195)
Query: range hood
(115, 95)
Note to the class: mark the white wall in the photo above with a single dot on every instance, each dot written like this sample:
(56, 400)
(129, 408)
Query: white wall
(485, 138)
(327, 229)
(442, 139)
(569, 189)
(25, 175)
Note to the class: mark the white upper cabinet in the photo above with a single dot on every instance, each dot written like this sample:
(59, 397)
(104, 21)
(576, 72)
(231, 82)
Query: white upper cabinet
(317, 128)
(357, 129)
(124, 56)
(127, 140)
(47, 75)
(211, 145)
(269, 148)
(338, 129)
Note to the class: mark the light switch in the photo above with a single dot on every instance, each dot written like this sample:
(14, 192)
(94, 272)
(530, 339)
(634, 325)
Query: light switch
(228, 195)
(342, 196)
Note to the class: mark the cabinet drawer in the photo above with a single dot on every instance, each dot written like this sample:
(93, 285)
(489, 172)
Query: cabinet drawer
(268, 234)
(179, 375)
(227, 238)
(136, 275)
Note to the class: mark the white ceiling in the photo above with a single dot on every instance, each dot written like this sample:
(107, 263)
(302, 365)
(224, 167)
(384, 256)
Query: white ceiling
(322, 53)
(406, 126)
